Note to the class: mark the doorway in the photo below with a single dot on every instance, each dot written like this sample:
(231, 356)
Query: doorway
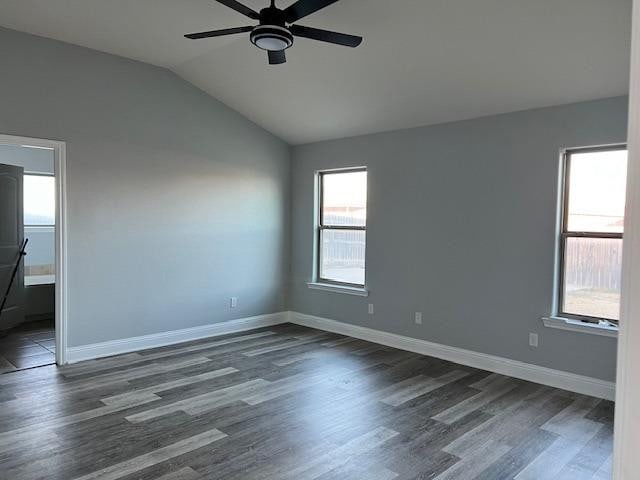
(32, 253)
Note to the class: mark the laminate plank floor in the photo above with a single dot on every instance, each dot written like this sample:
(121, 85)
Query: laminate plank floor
(288, 402)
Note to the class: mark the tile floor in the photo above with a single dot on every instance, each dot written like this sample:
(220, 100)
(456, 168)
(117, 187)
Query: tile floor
(29, 345)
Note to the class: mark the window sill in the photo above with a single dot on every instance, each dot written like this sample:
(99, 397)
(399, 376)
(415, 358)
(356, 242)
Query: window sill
(581, 327)
(328, 287)
(34, 280)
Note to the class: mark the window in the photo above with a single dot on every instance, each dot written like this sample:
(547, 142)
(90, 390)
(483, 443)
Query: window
(592, 229)
(39, 228)
(39, 200)
(342, 223)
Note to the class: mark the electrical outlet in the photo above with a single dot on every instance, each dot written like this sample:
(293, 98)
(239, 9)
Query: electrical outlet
(234, 302)
(371, 309)
(418, 318)
(533, 340)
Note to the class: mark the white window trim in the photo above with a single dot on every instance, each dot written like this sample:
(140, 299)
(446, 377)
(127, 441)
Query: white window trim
(603, 328)
(555, 320)
(317, 283)
(329, 287)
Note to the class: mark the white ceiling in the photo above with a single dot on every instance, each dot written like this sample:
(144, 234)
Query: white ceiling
(422, 61)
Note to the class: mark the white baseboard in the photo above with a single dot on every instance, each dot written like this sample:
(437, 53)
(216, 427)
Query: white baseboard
(126, 345)
(513, 368)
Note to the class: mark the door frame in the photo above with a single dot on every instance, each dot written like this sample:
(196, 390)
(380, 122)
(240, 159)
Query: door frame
(626, 462)
(60, 172)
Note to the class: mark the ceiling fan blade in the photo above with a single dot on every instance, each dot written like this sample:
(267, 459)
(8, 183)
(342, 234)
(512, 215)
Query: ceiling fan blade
(218, 33)
(277, 58)
(326, 36)
(302, 8)
(238, 7)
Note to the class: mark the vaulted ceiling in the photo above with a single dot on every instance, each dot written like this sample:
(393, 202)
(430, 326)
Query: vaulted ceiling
(422, 61)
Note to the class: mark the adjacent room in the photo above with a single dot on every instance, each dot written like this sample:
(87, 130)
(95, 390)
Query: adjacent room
(27, 327)
(319, 239)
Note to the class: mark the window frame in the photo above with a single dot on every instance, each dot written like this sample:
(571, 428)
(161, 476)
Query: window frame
(320, 228)
(566, 234)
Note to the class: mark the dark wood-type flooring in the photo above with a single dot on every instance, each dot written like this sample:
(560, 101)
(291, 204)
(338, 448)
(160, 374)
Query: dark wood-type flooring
(288, 402)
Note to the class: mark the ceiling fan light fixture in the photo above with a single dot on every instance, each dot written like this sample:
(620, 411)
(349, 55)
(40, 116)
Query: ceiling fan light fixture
(271, 37)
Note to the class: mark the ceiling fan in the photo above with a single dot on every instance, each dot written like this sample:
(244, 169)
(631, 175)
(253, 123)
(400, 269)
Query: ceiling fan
(275, 32)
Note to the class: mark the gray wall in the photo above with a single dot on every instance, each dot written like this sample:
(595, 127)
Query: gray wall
(479, 262)
(175, 201)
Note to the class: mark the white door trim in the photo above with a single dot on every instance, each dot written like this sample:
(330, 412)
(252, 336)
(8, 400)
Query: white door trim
(59, 168)
(626, 462)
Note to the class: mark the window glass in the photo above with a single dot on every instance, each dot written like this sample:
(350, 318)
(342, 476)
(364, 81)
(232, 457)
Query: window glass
(342, 255)
(592, 277)
(597, 186)
(591, 241)
(39, 200)
(342, 227)
(344, 198)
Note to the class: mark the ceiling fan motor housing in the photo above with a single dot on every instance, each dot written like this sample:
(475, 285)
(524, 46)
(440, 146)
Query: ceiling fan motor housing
(272, 33)
(277, 28)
